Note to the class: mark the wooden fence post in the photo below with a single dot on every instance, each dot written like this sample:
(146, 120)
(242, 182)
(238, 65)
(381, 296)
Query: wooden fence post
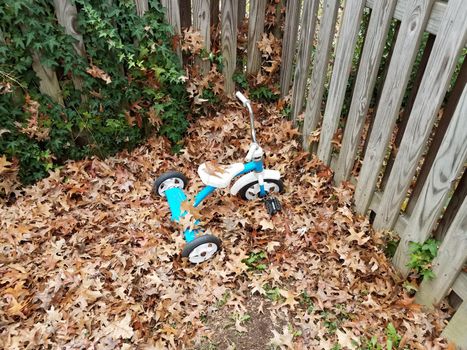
(373, 47)
(201, 23)
(320, 64)
(348, 34)
(405, 51)
(173, 17)
(310, 9)
(289, 43)
(449, 41)
(66, 14)
(255, 30)
(455, 329)
(449, 161)
(229, 42)
(141, 7)
(48, 82)
(446, 266)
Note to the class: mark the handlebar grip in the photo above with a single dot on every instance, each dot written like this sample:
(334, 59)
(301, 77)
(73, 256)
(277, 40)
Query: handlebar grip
(241, 97)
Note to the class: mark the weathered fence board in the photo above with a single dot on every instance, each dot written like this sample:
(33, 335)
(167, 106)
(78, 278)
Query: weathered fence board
(404, 116)
(310, 9)
(229, 42)
(455, 330)
(449, 262)
(460, 285)
(365, 82)
(320, 64)
(454, 204)
(440, 131)
(255, 30)
(405, 51)
(451, 38)
(48, 82)
(348, 34)
(448, 163)
(141, 6)
(173, 17)
(202, 23)
(66, 14)
(289, 43)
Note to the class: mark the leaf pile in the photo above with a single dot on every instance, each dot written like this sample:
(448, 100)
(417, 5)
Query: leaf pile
(90, 259)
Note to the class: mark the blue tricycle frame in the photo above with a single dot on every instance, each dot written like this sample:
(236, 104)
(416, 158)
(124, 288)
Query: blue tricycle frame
(254, 181)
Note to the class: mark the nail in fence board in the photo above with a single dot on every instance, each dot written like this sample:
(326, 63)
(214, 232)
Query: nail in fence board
(340, 74)
(448, 163)
(449, 41)
(229, 42)
(405, 51)
(320, 64)
(289, 43)
(448, 263)
(310, 9)
(202, 23)
(255, 31)
(375, 41)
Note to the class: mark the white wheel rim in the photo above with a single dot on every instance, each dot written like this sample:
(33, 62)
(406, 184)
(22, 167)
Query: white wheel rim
(253, 191)
(173, 182)
(202, 252)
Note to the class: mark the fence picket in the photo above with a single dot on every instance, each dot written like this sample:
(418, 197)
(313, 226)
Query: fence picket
(404, 117)
(48, 82)
(455, 330)
(440, 131)
(289, 43)
(229, 42)
(450, 40)
(348, 34)
(320, 64)
(449, 261)
(66, 14)
(141, 6)
(173, 17)
(310, 9)
(202, 23)
(448, 163)
(255, 30)
(405, 51)
(365, 82)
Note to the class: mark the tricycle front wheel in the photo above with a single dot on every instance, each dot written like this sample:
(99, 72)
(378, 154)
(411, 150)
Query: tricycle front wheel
(168, 180)
(202, 248)
(251, 191)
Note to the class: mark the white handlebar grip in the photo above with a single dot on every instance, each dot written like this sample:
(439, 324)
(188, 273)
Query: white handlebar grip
(241, 97)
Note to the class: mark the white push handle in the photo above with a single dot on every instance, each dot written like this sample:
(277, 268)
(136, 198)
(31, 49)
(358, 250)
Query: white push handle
(242, 98)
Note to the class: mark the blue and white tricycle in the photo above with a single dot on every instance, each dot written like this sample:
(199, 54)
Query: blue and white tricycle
(254, 182)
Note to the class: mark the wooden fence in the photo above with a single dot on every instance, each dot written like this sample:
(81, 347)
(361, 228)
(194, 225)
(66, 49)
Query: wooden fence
(434, 206)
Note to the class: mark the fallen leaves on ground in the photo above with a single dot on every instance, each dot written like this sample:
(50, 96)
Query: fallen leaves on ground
(91, 260)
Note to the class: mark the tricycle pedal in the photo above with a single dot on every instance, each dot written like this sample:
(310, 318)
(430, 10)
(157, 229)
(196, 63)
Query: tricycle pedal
(273, 206)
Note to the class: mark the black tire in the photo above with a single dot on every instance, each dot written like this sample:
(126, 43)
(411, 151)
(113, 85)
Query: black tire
(189, 247)
(244, 189)
(166, 176)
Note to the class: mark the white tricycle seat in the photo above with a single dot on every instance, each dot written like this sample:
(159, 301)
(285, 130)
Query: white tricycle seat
(218, 176)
